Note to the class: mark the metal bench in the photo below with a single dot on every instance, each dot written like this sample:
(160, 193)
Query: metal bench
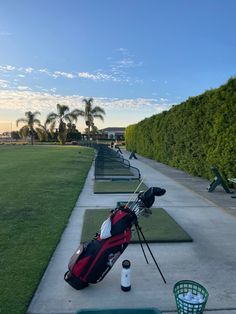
(218, 180)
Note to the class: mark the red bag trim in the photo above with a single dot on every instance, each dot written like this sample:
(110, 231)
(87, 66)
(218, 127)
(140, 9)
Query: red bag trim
(118, 216)
(78, 267)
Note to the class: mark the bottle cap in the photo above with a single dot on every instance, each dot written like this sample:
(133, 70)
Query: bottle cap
(126, 264)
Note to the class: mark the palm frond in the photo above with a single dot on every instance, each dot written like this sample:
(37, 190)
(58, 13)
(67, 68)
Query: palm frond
(68, 118)
(21, 120)
(42, 127)
(73, 116)
(98, 109)
(62, 109)
(42, 133)
(24, 131)
(28, 114)
(88, 101)
(51, 117)
(52, 127)
(98, 116)
(77, 112)
(37, 121)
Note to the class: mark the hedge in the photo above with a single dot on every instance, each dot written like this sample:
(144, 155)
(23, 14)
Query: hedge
(192, 136)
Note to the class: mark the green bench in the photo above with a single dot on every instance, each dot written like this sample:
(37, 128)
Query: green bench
(132, 155)
(218, 180)
(232, 180)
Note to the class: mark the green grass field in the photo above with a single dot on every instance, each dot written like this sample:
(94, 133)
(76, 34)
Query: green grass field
(39, 187)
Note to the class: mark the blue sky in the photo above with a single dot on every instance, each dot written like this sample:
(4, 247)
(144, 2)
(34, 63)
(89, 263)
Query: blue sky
(136, 58)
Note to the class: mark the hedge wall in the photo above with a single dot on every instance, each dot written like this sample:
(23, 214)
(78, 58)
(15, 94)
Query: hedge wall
(193, 135)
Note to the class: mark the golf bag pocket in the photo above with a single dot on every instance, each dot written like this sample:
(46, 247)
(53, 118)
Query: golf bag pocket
(105, 257)
(82, 258)
(76, 257)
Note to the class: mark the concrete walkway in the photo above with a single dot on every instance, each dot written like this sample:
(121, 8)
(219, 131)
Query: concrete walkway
(210, 259)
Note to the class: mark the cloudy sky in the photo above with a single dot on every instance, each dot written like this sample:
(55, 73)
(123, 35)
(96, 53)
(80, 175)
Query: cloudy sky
(136, 58)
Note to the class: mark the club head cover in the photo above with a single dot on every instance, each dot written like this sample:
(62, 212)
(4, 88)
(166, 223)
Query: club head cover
(159, 191)
(148, 197)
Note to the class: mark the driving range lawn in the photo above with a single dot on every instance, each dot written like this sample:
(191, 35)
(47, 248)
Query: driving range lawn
(39, 187)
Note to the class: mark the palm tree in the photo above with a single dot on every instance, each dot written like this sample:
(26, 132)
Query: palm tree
(90, 113)
(62, 117)
(42, 133)
(30, 120)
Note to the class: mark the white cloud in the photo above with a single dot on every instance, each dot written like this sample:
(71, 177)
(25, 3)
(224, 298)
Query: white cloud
(163, 99)
(7, 68)
(4, 83)
(126, 63)
(121, 66)
(25, 98)
(117, 71)
(29, 70)
(23, 88)
(44, 71)
(28, 100)
(57, 74)
(97, 76)
(123, 50)
(127, 60)
(119, 112)
(134, 104)
(65, 74)
(53, 90)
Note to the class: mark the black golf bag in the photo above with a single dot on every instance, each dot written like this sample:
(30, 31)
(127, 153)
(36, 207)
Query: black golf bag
(93, 260)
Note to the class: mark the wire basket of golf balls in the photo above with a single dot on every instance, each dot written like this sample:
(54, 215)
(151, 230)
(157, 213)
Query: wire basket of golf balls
(190, 297)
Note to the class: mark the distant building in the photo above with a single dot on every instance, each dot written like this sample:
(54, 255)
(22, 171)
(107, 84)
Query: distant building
(114, 133)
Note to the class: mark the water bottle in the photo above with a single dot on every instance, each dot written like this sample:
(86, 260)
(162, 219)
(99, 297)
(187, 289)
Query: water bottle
(126, 275)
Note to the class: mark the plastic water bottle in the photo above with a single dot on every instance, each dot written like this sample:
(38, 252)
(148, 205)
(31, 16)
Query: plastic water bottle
(126, 275)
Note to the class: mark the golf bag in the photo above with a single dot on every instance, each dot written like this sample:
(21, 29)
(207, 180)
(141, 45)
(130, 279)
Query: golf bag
(93, 260)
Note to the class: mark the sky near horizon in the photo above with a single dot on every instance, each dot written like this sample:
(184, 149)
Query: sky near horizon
(136, 58)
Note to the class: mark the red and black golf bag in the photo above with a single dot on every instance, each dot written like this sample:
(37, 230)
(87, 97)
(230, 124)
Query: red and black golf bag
(93, 260)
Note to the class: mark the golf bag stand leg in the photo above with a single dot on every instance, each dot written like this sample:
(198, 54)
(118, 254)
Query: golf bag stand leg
(140, 242)
(139, 230)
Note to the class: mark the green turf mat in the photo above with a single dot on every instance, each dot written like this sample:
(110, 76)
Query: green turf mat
(114, 172)
(117, 186)
(159, 227)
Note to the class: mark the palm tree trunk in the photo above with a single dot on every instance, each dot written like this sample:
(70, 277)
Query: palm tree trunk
(89, 132)
(32, 136)
(62, 133)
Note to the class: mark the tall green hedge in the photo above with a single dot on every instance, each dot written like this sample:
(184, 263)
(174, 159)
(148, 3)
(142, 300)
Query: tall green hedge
(193, 135)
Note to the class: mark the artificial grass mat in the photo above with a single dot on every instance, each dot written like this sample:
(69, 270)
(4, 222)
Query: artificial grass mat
(118, 186)
(114, 172)
(159, 227)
